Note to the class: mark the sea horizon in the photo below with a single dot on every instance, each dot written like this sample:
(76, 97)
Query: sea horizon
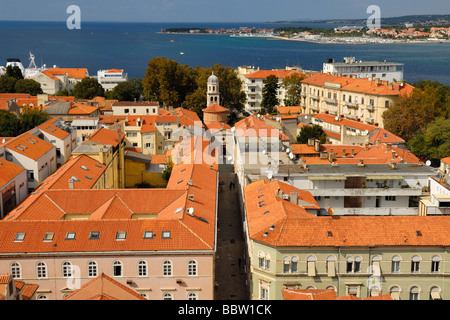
(130, 45)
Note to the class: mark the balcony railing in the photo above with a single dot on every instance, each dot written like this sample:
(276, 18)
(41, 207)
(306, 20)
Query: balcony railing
(351, 104)
(370, 107)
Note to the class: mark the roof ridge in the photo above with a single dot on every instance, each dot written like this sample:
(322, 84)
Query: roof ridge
(195, 234)
(45, 194)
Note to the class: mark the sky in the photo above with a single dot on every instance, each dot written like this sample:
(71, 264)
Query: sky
(213, 10)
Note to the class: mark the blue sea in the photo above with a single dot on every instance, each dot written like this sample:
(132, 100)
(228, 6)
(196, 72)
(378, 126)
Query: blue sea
(130, 46)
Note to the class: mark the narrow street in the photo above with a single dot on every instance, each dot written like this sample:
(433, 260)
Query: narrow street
(230, 269)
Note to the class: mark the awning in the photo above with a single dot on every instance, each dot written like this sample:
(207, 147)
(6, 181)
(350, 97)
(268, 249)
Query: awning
(435, 295)
(327, 178)
(384, 177)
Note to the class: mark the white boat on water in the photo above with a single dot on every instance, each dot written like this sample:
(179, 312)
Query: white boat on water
(27, 73)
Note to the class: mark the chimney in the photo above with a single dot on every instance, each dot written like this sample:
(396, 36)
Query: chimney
(294, 197)
(353, 152)
(71, 184)
(317, 145)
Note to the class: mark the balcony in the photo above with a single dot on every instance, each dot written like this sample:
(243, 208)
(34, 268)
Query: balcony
(351, 105)
(369, 120)
(367, 192)
(330, 101)
(314, 97)
(351, 116)
(314, 108)
(370, 107)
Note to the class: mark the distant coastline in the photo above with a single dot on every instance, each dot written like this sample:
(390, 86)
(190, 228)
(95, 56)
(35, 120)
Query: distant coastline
(359, 41)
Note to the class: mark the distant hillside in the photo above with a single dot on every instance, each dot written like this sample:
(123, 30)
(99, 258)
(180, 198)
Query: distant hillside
(430, 19)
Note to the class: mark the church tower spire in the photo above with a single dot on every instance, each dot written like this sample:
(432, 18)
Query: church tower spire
(212, 91)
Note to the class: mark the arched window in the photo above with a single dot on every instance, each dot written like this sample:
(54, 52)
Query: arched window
(267, 261)
(286, 264)
(42, 297)
(117, 268)
(167, 296)
(414, 293)
(92, 269)
(395, 266)
(142, 268)
(66, 269)
(376, 268)
(294, 264)
(395, 292)
(435, 264)
(311, 266)
(435, 293)
(192, 268)
(192, 296)
(331, 269)
(167, 268)
(15, 270)
(415, 264)
(41, 270)
(261, 260)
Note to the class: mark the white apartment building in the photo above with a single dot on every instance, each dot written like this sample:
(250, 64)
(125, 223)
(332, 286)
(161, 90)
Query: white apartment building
(383, 70)
(139, 108)
(109, 79)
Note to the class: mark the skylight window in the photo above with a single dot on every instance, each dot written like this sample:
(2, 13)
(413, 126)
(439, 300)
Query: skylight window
(48, 236)
(75, 179)
(94, 235)
(97, 165)
(21, 145)
(121, 235)
(148, 235)
(165, 235)
(19, 237)
(179, 210)
(70, 235)
(84, 168)
(89, 177)
(19, 148)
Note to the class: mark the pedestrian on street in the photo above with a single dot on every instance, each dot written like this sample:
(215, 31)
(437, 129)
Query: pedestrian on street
(229, 189)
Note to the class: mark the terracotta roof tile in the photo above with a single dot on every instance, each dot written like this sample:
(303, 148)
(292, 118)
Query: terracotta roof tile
(215, 108)
(8, 172)
(51, 129)
(262, 74)
(29, 146)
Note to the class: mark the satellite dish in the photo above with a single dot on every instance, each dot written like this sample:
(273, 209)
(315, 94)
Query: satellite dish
(191, 211)
(428, 163)
(287, 150)
(330, 211)
(366, 132)
(337, 118)
(270, 176)
(264, 152)
(291, 155)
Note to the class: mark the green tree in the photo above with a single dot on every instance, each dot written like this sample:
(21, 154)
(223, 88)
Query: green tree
(9, 124)
(167, 172)
(293, 86)
(168, 82)
(7, 84)
(14, 72)
(88, 88)
(434, 142)
(232, 96)
(411, 114)
(315, 132)
(28, 86)
(269, 95)
(31, 117)
(124, 91)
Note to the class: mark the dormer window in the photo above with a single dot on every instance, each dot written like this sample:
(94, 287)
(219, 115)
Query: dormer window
(48, 236)
(94, 235)
(148, 235)
(19, 237)
(121, 235)
(70, 235)
(165, 235)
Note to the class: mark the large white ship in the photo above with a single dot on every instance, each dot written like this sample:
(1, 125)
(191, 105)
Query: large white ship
(27, 73)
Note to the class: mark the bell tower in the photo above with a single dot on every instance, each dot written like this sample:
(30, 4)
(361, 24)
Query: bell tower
(212, 90)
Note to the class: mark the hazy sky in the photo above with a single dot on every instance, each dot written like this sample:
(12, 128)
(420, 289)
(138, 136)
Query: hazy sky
(213, 10)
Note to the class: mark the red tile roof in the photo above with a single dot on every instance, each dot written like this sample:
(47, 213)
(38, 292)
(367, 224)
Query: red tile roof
(263, 74)
(8, 172)
(215, 108)
(104, 288)
(106, 136)
(29, 146)
(51, 129)
(446, 160)
(309, 294)
(289, 110)
(81, 109)
(77, 73)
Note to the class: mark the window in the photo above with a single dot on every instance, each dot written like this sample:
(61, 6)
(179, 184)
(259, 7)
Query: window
(353, 290)
(126, 110)
(353, 265)
(15, 270)
(414, 293)
(142, 268)
(192, 296)
(294, 264)
(42, 297)
(48, 236)
(66, 269)
(92, 269)
(267, 266)
(331, 270)
(94, 235)
(117, 268)
(19, 237)
(286, 264)
(415, 264)
(261, 260)
(167, 296)
(435, 293)
(165, 235)
(192, 268)
(311, 266)
(395, 293)
(70, 236)
(148, 235)
(263, 291)
(41, 270)
(121, 235)
(435, 264)
(395, 267)
(390, 198)
(167, 268)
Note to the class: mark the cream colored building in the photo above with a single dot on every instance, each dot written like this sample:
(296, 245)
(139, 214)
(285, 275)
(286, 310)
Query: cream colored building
(364, 100)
